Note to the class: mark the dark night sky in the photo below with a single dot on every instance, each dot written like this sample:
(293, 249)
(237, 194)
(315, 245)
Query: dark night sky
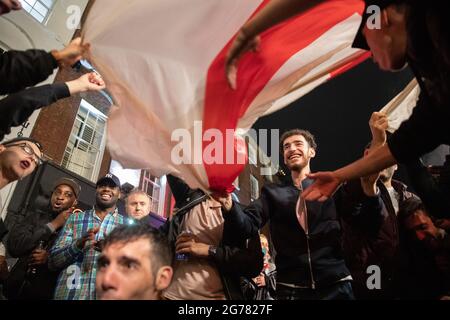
(337, 113)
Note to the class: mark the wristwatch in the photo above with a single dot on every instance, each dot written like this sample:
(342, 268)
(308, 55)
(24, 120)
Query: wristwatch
(212, 251)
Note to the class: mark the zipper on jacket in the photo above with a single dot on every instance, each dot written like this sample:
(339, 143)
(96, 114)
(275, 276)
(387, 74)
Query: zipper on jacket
(303, 205)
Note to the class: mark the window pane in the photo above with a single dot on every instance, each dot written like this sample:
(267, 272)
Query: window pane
(41, 9)
(29, 2)
(26, 7)
(47, 3)
(37, 15)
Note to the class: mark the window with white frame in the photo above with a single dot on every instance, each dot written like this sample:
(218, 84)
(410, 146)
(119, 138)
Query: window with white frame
(155, 188)
(254, 188)
(38, 9)
(86, 145)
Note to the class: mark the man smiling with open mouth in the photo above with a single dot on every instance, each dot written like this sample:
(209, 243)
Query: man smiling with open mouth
(78, 246)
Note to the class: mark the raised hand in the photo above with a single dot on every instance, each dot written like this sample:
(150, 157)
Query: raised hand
(241, 44)
(378, 124)
(87, 82)
(323, 188)
(71, 54)
(61, 219)
(224, 199)
(88, 239)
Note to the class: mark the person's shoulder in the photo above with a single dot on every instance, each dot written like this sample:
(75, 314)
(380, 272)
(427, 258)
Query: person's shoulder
(275, 186)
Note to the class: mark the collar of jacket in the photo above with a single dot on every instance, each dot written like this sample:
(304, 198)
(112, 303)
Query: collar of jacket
(398, 186)
(113, 213)
(288, 182)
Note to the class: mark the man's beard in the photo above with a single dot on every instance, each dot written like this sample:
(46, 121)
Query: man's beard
(297, 167)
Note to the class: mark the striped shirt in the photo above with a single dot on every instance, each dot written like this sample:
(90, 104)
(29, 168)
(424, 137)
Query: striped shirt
(78, 267)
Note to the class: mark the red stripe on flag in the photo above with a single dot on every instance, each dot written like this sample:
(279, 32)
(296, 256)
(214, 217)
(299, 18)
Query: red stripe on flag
(353, 63)
(223, 106)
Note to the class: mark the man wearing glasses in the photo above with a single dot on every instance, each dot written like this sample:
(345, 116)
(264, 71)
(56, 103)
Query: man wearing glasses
(19, 157)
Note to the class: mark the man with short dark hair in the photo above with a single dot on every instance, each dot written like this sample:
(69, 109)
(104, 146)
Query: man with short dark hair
(135, 264)
(76, 250)
(30, 278)
(306, 235)
(425, 269)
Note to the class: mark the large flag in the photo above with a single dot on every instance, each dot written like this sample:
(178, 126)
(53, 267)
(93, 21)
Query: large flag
(163, 61)
(401, 107)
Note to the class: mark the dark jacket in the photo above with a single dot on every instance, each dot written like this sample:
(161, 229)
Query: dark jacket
(372, 238)
(23, 238)
(251, 291)
(429, 58)
(433, 192)
(22, 69)
(277, 203)
(234, 257)
(18, 107)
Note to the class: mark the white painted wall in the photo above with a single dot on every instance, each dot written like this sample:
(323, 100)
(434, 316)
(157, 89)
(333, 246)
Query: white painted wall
(20, 31)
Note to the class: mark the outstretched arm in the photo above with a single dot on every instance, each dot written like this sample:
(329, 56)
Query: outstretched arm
(247, 39)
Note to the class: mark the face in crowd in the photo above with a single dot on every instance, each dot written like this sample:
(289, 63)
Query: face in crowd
(388, 43)
(107, 194)
(138, 205)
(420, 226)
(297, 152)
(132, 269)
(63, 198)
(19, 159)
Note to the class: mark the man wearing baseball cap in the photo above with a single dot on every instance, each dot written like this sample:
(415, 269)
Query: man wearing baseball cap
(77, 248)
(31, 239)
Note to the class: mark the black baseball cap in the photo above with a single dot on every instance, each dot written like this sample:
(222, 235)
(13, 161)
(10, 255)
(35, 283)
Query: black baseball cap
(360, 41)
(109, 177)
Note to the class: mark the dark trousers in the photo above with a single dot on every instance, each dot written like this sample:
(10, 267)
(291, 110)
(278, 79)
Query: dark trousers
(338, 291)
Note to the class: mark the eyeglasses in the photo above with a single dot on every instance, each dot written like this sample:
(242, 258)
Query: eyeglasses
(29, 151)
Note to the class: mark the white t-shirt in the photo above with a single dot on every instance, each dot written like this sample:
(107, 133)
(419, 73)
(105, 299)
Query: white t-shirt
(394, 198)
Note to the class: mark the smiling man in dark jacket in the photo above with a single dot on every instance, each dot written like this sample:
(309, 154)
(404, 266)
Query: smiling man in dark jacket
(306, 236)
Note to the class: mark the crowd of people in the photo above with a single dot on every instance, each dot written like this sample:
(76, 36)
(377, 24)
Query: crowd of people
(355, 233)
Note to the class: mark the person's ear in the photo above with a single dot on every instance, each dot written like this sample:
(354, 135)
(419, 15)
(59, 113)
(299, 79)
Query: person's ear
(163, 278)
(75, 203)
(2, 148)
(312, 152)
